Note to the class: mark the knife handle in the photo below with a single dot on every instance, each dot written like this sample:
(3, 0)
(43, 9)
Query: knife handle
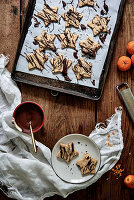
(127, 97)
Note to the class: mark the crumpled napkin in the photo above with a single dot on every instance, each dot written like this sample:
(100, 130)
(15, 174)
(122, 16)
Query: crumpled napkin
(28, 176)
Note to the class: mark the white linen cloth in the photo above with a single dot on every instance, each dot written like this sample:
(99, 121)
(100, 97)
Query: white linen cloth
(28, 176)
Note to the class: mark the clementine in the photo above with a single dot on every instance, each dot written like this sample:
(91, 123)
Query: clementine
(132, 59)
(130, 47)
(124, 63)
(129, 181)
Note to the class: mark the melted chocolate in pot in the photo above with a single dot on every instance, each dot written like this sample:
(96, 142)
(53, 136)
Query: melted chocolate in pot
(26, 113)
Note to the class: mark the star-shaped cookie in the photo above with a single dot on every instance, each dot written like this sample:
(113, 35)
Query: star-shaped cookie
(48, 14)
(67, 152)
(89, 47)
(45, 41)
(67, 39)
(98, 24)
(87, 164)
(72, 17)
(86, 3)
(60, 64)
(36, 60)
(82, 69)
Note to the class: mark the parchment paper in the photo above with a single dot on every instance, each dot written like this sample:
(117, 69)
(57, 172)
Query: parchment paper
(57, 28)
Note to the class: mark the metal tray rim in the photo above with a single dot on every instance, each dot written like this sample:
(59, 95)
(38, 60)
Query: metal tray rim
(98, 91)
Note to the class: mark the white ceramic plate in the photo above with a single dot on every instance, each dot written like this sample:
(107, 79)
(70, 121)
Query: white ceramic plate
(71, 172)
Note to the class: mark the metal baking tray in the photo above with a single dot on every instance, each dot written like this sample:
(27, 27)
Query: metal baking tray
(60, 85)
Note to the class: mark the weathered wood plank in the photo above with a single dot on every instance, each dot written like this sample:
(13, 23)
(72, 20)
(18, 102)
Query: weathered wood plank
(113, 188)
(9, 35)
(23, 11)
(9, 28)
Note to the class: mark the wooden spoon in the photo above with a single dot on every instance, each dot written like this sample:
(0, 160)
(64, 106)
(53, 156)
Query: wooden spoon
(33, 140)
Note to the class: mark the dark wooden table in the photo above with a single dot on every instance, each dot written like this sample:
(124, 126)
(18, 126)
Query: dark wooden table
(67, 114)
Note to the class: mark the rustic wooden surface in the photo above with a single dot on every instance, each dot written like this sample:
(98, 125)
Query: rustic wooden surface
(67, 114)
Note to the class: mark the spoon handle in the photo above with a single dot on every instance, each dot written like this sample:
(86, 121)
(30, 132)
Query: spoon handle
(33, 140)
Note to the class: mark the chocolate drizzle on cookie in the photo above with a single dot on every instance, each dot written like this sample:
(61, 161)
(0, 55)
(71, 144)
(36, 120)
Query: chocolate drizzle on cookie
(64, 72)
(80, 64)
(89, 46)
(87, 164)
(36, 60)
(98, 24)
(45, 41)
(82, 69)
(67, 39)
(67, 152)
(86, 3)
(72, 17)
(61, 64)
(48, 14)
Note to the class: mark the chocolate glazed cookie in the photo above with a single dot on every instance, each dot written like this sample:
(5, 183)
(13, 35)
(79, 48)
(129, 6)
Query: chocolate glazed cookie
(48, 14)
(72, 18)
(67, 39)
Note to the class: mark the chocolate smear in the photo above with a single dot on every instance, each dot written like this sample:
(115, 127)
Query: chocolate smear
(103, 37)
(97, 5)
(80, 64)
(93, 82)
(102, 12)
(35, 42)
(109, 31)
(64, 72)
(106, 6)
(75, 55)
(83, 27)
(36, 22)
(64, 4)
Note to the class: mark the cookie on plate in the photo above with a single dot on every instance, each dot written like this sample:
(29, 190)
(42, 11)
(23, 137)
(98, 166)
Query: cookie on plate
(67, 39)
(48, 14)
(89, 47)
(98, 24)
(36, 60)
(87, 164)
(72, 17)
(67, 152)
(45, 41)
(82, 69)
(86, 3)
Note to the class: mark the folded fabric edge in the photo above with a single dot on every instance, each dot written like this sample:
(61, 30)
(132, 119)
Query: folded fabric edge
(118, 111)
